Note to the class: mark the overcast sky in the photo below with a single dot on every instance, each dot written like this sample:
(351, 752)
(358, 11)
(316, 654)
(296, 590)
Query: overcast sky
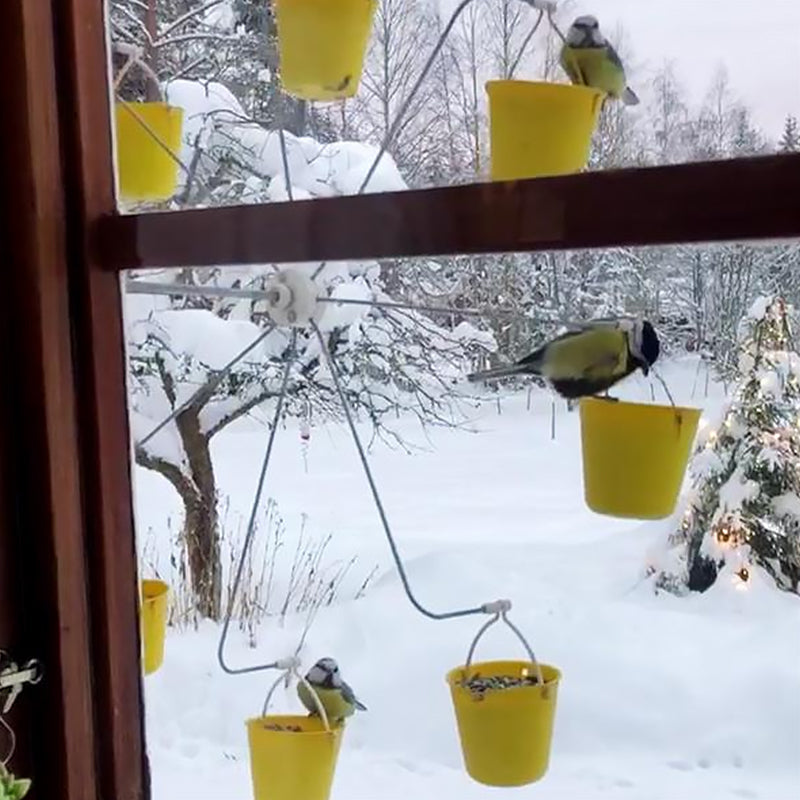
(758, 41)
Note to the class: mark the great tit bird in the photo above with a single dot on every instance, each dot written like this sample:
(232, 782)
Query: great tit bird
(589, 59)
(589, 359)
(336, 696)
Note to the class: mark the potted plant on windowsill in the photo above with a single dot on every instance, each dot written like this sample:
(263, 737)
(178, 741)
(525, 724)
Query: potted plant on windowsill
(11, 787)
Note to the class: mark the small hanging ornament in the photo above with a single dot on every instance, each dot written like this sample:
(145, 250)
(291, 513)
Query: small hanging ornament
(305, 435)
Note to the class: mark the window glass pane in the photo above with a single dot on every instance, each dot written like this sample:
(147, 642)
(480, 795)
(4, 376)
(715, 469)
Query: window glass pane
(715, 80)
(659, 627)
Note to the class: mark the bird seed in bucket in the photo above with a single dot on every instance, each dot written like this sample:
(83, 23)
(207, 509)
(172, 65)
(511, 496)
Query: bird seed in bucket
(478, 686)
(283, 728)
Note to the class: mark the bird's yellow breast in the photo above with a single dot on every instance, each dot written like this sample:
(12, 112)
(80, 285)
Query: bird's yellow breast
(593, 67)
(336, 707)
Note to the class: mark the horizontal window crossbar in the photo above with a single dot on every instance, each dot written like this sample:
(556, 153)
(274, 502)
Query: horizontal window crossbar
(733, 200)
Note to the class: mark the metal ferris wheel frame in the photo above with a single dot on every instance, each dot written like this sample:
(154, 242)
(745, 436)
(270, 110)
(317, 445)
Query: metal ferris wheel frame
(65, 449)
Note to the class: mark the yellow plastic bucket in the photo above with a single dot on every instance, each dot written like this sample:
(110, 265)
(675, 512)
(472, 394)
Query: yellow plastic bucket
(321, 44)
(155, 596)
(635, 456)
(146, 170)
(538, 129)
(505, 734)
(292, 757)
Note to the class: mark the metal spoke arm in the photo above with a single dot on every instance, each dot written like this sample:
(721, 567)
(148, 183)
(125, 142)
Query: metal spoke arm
(284, 664)
(151, 287)
(485, 608)
(208, 387)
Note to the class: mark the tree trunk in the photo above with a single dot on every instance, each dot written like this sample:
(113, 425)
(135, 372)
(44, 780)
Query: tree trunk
(152, 92)
(201, 530)
(201, 522)
(197, 489)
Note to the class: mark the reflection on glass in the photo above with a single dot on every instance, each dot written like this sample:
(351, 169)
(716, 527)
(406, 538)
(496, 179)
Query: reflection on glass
(423, 93)
(656, 625)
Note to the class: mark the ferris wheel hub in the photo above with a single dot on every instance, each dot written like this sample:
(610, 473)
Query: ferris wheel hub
(291, 299)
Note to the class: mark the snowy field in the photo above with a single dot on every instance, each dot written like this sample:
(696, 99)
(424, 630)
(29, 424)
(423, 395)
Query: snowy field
(660, 698)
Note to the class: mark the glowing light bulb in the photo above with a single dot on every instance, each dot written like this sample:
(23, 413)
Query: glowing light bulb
(744, 574)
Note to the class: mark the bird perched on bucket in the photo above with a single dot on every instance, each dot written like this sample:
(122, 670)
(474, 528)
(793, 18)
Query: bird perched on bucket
(589, 59)
(336, 697)
(588, 359)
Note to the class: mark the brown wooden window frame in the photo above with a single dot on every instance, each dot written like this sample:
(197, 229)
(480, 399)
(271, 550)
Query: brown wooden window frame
(67, 248)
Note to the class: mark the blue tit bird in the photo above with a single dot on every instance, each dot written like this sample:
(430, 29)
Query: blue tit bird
(589, 59)
(588, 359)
(336, 697)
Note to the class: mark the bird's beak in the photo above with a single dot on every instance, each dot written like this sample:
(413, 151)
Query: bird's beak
(645, 368)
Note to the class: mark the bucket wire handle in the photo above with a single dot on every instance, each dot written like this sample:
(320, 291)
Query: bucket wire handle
(290, 666)
(134, 59)
(500, 609)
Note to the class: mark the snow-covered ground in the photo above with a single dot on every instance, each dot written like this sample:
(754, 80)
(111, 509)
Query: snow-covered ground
(660, 698)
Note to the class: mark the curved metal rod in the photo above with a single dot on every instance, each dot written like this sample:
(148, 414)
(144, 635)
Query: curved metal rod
(525, 42)
(376, 495)
(251, 525)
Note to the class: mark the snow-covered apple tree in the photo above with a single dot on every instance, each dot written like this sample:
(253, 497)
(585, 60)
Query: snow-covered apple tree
(743, 512)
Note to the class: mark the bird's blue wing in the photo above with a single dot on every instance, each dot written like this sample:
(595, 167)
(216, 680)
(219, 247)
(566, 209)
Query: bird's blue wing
(349, 695)
(613, 56)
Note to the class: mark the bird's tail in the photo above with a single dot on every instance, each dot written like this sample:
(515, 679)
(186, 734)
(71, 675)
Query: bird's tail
(629, 97)
(497, 372)
(359, 705)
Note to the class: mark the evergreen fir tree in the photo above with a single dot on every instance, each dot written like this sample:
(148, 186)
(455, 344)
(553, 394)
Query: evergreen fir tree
(790, 140)
(744, 508)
